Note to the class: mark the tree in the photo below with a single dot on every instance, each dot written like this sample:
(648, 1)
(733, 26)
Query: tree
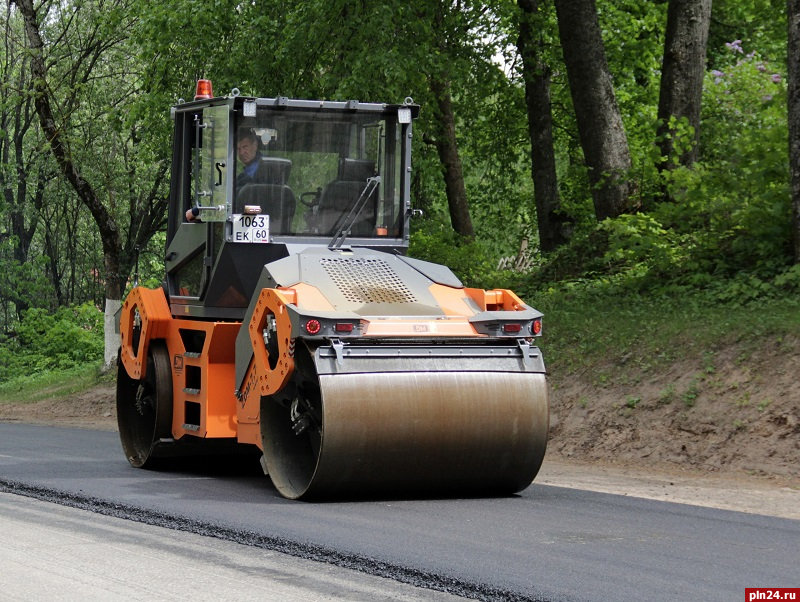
(23, 170)
(602, 135)
(793, 60)
(445, 135)
(337, 49)
(92, 38)
(436, 36)
(682, 73)
(536, 75)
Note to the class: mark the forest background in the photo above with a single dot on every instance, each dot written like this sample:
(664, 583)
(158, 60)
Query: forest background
(630, 167)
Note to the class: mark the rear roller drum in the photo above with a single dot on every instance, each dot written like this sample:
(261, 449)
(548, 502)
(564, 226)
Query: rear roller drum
(144, 407)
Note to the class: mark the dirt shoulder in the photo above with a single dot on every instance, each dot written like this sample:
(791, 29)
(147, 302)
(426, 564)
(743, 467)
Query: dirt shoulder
(721, 429)
(94, 408)
(619, 472)
(728, 491)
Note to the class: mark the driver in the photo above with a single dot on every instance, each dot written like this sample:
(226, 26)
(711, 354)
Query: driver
(250, 157)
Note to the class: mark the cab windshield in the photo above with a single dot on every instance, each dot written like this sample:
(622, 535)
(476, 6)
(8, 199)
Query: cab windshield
(319, 173)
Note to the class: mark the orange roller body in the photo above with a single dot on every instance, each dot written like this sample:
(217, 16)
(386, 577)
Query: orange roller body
(292, 329)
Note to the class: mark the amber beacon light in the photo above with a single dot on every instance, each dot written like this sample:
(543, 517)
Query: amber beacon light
(203, 91)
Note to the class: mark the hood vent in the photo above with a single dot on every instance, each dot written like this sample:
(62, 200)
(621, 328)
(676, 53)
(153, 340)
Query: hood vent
(367, 280)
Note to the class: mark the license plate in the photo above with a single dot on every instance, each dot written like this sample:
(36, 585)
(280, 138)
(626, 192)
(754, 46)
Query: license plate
(250, 228)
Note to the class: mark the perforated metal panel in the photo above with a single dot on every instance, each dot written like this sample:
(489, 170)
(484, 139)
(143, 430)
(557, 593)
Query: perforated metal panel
(363, 280)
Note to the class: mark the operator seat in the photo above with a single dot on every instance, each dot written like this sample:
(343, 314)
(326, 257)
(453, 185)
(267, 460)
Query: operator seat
(271, 193)
(340, 195)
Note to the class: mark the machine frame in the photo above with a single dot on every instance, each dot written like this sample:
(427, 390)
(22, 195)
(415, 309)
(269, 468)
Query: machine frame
(286, 345)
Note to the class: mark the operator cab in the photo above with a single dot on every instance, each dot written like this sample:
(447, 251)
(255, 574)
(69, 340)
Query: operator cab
(263, 176)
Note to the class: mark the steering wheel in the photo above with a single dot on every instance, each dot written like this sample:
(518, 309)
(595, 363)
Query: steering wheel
(314, 198)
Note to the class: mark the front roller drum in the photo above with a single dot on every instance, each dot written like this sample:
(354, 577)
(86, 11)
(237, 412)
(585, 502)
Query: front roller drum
(409, 434)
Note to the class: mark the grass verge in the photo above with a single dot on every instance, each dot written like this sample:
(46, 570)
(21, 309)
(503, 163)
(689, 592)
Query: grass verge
(52, 384)
(586, 329)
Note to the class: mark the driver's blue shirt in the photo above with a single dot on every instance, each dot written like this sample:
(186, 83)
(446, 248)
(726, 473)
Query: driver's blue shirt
(248, 174)
(251, 169)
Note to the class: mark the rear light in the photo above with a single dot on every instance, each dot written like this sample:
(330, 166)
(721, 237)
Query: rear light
(203, 90)
(343, 327)
(512, 328)
(313, 326)
(536, 327)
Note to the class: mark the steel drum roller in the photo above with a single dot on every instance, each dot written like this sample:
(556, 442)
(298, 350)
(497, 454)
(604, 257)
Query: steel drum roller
(413, 432)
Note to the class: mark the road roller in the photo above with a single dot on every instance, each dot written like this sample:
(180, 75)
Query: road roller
(292, 324)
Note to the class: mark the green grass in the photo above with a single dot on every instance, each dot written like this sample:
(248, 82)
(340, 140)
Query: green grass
(584, 329)
(692, 393)
(52, 384)
(589, 329)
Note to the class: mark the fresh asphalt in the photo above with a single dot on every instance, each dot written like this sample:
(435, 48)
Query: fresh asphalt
(547, 543)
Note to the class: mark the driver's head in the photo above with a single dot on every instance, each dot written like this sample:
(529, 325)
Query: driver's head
(247, 146)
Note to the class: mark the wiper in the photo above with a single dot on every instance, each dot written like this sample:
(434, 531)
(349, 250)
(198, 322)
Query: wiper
(345, 222)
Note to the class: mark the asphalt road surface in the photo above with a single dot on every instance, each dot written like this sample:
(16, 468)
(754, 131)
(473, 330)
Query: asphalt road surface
(548, 543)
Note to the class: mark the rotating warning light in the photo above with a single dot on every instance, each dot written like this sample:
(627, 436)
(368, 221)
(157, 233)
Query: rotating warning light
(203, 90)
(313, 326)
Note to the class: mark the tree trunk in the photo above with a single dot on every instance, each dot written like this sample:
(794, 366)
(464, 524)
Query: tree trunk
(447, 149)
(446, 145)
(605, 145)
(536, 75)
(682, 72)
(793, 56)
(109, 232)
(55, 277)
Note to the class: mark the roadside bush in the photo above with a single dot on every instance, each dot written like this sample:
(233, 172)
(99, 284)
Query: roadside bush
(474, 262)
(732, 210)
(70, 337)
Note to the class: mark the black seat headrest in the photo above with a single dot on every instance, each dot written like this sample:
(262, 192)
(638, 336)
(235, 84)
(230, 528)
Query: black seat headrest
(274, 170)
(356, 170)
